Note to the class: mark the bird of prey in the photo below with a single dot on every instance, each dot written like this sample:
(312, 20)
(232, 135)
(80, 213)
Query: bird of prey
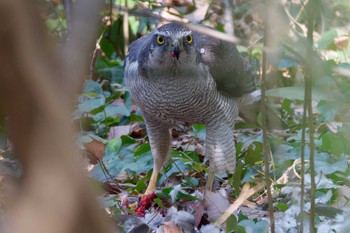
(177, 75)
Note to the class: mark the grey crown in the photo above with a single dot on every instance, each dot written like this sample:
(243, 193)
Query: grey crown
(208, 81)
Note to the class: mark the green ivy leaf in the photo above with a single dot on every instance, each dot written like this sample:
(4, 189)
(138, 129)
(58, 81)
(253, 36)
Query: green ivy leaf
(165, 193)
(159, 202)
(297, 93)
(199, 131)
(92, 86)
(328, 211)
(286, 63)
(142, 149)
(141, 185)
(176, 167)
(119, 156)
(89, 104)
(106, 46)
(258, 227)
(328, 167)
(231, 224)
(186, 197)
(282, 206)
(191, 181)
(109, 111)
(333, 143)
(110, 121)
(236, 177)
(326, 39)
(90, 94)
(254, 153)
(329, 109)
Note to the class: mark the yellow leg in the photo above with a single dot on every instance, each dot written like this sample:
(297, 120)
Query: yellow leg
(210, 181)
(152, 182)
(159, 138)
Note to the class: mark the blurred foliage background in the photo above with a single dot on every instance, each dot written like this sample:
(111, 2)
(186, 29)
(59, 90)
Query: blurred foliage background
(112, 130)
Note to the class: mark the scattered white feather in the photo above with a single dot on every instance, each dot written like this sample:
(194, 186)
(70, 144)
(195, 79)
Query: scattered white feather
(290, 190)
(153, 219)
(339, 224)
(322, 182)
(198, 194)
(216, 205)
(223, 193)
(210, 228)
(173, 193)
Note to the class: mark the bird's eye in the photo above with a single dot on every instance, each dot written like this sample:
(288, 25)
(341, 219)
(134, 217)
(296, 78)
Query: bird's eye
(160, 40)
(189, 39)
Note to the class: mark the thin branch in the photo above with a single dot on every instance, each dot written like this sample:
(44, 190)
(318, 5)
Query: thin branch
(244, 195)
(292, 19)
(266, 148)
(312, 7)
(195, 27)
(126, 29)
(302, 165)
(94, 56)
(108, 175)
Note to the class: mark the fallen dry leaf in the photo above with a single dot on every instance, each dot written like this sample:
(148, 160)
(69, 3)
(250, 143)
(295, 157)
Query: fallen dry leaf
(95, 148)
(342, 42)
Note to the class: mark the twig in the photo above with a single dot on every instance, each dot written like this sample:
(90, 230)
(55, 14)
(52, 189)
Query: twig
(127, 185)
(312, 7)
(108, 175)
(266, 148)
(126, 29)
(195, 27)
(302, 170)
(94, 56)
(188, 157)
(273, 164)
(244, 195)
(183, 174)
(295, 20)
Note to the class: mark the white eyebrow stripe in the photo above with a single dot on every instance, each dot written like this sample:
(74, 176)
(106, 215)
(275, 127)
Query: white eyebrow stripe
(169, 33)
(163, 33)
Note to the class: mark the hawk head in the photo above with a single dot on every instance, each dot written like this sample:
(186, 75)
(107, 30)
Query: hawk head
(172, 46)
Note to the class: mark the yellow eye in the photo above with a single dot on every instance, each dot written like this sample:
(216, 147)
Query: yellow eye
(189, 39)
(160, 40)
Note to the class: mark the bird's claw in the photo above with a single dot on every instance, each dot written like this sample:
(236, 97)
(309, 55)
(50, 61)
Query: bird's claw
(145, 203)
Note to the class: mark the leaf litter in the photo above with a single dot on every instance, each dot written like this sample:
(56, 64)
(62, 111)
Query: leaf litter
(175, 200)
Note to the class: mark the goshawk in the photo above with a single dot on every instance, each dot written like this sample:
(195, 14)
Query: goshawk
(175, 76)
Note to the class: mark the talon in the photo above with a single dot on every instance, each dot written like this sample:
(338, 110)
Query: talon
(145, 203)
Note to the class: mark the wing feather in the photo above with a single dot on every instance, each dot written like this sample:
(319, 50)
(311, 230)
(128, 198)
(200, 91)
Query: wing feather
(136, 47)
(233, 75)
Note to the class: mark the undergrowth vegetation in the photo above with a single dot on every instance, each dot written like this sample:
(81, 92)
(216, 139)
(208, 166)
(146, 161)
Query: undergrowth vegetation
(106, 114)
(113, 135)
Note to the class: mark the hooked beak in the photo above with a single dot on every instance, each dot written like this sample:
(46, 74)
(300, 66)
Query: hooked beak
(175, 49)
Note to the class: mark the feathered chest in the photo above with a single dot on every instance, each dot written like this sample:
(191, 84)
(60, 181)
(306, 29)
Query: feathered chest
(174, 98)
